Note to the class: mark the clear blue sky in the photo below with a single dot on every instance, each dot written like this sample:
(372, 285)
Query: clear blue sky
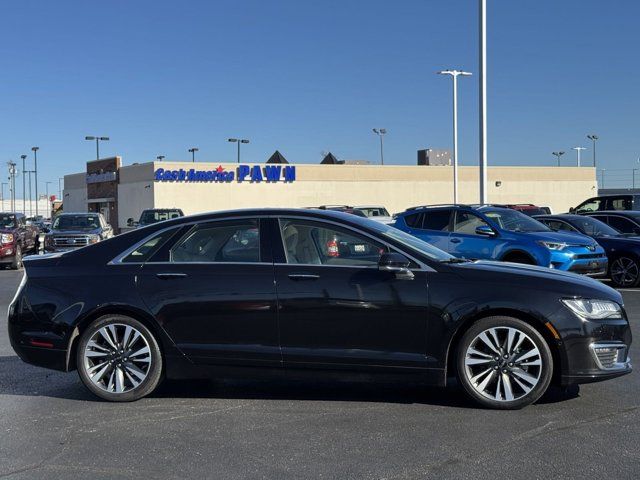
(161, 76)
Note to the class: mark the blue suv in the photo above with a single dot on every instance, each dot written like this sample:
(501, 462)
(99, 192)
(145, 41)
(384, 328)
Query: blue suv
(494, 233)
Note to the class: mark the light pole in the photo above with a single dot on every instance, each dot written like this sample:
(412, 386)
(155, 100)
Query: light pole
(160, 158)
(30, 203)
(238, 141)
(60, 179)
(2, 194)
(46, 186)
(381, 132)
(602, 179)
(578, 150)
(193, 151)
(454, 75)
(593, 137)
(98, 140)
(35, 168)
(12, 184)
(558, 155)
(24, 193)
(483, 101)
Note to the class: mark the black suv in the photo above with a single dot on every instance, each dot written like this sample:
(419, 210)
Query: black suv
(608, 202)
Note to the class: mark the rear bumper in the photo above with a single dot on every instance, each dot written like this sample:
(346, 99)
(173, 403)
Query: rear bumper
(52, 358)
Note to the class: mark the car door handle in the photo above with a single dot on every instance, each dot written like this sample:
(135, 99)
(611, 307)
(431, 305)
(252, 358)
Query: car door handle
(455, 240)
(168, 276)
(303, 276)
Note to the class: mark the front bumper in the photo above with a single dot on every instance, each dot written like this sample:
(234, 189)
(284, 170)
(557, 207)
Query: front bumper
(7, 254)
(599, 352)
(592, 264)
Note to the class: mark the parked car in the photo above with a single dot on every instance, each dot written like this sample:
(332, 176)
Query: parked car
(528, 209)
(375, 212)
(608, 202)
(74, 230)
(342, 208)
(16, 239)
(189, 298)
(495, 233)
(623, 251)
(155, 215)
(627, 222)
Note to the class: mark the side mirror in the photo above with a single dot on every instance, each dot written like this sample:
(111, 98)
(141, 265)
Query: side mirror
(129, 222)
(396, 263)
(572, 210)
(485, 231)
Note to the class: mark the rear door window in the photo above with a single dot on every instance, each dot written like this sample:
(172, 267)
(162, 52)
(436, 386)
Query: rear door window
(414, 220)
(618, 203)
(439, 220)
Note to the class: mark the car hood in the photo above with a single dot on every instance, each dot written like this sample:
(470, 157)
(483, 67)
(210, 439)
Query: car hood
(564, 283)
(563, 237)
(7, 230)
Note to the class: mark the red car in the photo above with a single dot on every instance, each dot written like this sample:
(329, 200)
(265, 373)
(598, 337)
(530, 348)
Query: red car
(529, 209)
(16, 238)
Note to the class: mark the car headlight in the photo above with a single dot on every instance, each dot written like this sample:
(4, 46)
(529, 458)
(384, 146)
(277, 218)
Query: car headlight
(552, 245)
(593, 309)
(93, 238)
(7, 238)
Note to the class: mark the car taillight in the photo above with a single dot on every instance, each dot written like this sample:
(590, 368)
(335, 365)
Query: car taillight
(332, 248)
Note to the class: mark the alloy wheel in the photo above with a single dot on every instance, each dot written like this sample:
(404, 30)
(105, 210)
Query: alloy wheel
(625, 271)
(117, 358)
(503, 364)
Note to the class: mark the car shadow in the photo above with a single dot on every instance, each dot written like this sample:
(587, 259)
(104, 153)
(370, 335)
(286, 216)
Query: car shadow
(19, 378)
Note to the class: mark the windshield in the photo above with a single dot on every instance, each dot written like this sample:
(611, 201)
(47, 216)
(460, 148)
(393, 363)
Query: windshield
(7, 221)
(515, 221)
(374, 211)
(76, 222)
(594, 227)
(153, 216)
(411, 242)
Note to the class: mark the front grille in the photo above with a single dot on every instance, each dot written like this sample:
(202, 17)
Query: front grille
(589, 255)
(70, 240)
(610, 356)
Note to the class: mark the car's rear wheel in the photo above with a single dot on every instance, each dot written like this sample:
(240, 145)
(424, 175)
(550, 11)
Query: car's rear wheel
(625, 272)
(118, 359)
(504, 363)
(17, 258)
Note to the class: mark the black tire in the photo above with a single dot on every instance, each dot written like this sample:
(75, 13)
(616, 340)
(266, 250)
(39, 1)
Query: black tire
(17, 258)
(153, 373)
(624, 271)
(513, 370)
(519, 258)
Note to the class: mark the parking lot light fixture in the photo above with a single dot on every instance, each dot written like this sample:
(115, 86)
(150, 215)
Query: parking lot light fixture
(593, 137)
(35, 169)
(98, 140)
(24, 193)
(193, 151)
(381, 132)
(558, 155)
(578, 150)
(238, 141)
(160, 158)
(455, 74)
(2, 195)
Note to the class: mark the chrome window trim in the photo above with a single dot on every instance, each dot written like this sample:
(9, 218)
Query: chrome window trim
(117, 260)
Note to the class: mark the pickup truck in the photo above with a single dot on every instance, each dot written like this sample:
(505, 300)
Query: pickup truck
(74, 230)
(16, 239)
(154, 215)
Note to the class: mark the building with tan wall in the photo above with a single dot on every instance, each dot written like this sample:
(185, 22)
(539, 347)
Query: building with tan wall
(222, 186)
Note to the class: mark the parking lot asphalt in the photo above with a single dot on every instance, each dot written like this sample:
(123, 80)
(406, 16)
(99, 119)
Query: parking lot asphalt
(51, 427)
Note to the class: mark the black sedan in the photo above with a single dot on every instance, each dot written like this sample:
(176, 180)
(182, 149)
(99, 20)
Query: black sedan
(622, 249)
(273, 291)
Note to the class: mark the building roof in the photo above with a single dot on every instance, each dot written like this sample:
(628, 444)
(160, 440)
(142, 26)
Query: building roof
(330, 159)
(277, 157)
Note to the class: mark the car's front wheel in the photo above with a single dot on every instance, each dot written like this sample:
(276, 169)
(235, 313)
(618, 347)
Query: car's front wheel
(17, 258)
(504, 363)
(118, 359)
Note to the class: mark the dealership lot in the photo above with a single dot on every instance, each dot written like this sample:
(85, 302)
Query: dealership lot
(51, 426)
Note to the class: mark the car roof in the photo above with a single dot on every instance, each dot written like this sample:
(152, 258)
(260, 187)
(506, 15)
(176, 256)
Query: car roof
(459, 206)
(624, 213)
(565, 216)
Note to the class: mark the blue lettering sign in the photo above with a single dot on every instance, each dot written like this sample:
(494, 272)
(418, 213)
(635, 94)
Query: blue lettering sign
(254, 173)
